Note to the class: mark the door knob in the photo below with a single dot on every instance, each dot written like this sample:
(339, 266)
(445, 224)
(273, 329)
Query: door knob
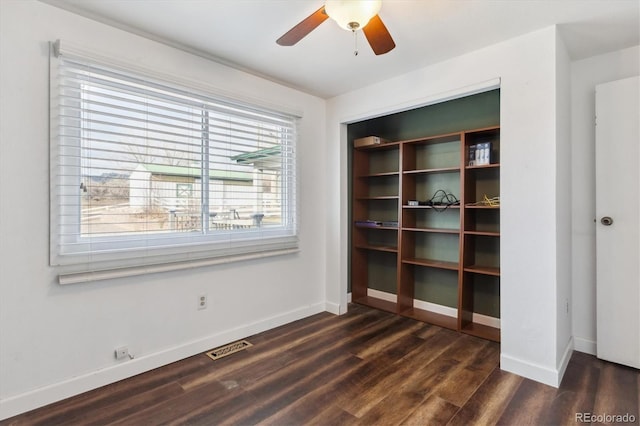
(606, 221)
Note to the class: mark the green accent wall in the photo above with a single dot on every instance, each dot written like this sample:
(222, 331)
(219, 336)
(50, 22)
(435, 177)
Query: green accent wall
(470, 112)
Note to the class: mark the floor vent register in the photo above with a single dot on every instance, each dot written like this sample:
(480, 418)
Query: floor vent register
(229, 349)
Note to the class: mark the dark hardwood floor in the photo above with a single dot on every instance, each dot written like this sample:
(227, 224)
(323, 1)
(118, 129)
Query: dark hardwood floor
(366, 367)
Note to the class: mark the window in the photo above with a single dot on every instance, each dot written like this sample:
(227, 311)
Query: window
(145, 169)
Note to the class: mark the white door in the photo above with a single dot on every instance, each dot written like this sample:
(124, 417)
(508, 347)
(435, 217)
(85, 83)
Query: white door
(617, 221)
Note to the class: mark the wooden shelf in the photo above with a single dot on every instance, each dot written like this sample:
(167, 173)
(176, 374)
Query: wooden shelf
(484, 166)
(483, 233)
(389, 228)
(452, 266)
(383, 305)
(437, 170)
(446, 137)
(382, 197)
(387, 249)
(381, 146)
(432, 318)
(433, 230)
(383, 174)
(468, 206)
(484, 270)
(482, 331)
(454, 206)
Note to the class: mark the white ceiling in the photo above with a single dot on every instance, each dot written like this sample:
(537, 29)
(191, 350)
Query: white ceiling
(242, 33)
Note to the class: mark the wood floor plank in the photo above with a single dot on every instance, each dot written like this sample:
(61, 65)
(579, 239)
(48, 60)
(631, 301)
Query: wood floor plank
(319, 396)
(410, 391)
(392, 409)
(66, 411)
(387, 337)
(183, 406)
(581, 359)
(576, 393)
(213, 411)
(327, 393)
(472, 370)
(434, 371)
(488, 403)
(487, 359)
(427, 331)
(343, 390)
(131, 405)
(333, 415)
(300, 326)
(366, 367)
(432, 411)
(282, 340)
(414, 360)
(460, 385)
(395, 376)
(617, 392)
(312, 360)
(284, 391)
(530, 405)
(318, 349)
(348, 339)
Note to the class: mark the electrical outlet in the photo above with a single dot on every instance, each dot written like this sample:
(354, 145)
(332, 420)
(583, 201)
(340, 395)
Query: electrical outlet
(122, 352)
(202, 301)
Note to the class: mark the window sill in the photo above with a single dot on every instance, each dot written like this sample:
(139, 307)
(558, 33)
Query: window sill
(107, 274)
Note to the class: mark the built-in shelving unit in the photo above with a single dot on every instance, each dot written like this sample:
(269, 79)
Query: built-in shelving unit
(437, 262)
(374, 254)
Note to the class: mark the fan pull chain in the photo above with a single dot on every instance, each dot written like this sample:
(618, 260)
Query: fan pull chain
(355, 41)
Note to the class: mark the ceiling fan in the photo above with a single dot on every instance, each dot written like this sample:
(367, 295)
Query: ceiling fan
(352, 15)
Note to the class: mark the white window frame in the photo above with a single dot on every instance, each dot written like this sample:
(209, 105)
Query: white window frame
(84, 259)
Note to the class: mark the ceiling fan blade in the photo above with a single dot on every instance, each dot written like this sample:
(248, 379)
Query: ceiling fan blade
(378, 36)
(307, 25)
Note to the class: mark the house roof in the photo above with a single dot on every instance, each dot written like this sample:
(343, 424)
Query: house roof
(160, 169)
(256, 156)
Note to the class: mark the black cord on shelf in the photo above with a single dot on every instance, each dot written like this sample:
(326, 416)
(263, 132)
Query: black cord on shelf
(441, 200)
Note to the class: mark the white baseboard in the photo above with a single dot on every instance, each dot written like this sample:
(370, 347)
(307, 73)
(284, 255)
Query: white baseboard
(27, 401)
(453, 312)
(539, 373)
(532, 371)
(486, 320)
(333, 308)
(585, 345)
(383, 295)
(434, 307)
(564, 361)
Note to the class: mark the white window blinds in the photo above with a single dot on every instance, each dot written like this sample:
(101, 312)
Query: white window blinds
(146, 172)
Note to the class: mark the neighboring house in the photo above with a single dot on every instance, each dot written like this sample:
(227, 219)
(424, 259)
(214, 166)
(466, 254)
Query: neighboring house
(178, 188)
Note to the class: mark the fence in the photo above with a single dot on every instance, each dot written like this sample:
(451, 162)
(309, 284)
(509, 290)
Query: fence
(234, 218)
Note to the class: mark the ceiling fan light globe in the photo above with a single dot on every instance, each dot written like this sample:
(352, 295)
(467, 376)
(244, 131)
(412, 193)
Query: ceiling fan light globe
(352, 15)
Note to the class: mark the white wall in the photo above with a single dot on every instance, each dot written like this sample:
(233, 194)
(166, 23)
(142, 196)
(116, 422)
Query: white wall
(585, 75)
(55, 340)
(527, 67)
(564, 342)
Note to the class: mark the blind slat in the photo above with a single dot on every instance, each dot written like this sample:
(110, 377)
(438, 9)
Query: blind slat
(151, 90)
